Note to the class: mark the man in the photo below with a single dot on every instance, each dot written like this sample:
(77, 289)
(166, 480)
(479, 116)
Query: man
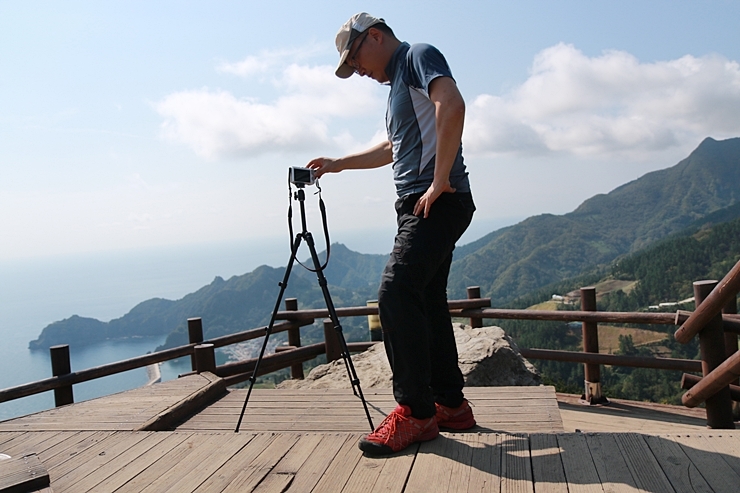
(424, 121)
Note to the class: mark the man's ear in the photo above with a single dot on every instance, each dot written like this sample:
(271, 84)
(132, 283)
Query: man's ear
(376, 34)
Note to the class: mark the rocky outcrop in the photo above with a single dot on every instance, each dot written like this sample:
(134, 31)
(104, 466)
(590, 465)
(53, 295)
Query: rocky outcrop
(487, 357)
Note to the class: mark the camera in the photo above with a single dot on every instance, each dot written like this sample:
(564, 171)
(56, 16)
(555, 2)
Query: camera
(301, 176)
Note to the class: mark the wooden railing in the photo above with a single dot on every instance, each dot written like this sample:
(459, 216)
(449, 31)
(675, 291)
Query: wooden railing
(474, 308)
(720, 356)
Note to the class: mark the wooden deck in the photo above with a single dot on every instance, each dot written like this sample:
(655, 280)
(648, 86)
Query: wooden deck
(497, 409)
(155, 407)
(520, 445)
(331, 462)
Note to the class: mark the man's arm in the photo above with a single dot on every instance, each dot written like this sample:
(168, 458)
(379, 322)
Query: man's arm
(375, 157)
(450, 115)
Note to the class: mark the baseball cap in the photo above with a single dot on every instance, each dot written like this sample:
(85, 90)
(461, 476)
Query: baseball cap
(356, 25)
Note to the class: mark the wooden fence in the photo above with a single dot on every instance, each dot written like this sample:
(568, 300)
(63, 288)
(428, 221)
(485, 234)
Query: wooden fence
(707, 321)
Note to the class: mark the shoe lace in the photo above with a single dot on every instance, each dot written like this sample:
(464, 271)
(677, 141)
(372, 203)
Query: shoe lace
(388, 426)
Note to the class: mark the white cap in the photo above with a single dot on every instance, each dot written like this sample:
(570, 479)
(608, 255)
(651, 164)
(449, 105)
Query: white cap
(348, 33)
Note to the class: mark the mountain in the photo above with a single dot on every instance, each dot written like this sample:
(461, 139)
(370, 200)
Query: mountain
(547, 248)
(506, 263)
(227, 306)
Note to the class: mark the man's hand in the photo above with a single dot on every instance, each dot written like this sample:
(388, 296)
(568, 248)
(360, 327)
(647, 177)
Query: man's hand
(424, 204)
(322, 165)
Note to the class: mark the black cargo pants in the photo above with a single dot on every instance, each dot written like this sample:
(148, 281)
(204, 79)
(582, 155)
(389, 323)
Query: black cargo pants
(412, 301)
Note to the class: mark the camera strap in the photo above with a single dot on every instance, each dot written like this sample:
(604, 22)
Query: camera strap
(322, 208)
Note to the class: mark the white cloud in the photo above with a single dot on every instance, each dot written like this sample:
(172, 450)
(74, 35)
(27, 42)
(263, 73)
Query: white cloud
(218, 123)
(267, 61)
(609, 105)
(606, 105)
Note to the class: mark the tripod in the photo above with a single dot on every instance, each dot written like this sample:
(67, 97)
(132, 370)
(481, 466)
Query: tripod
(306, 236)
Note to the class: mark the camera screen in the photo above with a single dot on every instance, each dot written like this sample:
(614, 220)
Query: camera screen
(302, 176)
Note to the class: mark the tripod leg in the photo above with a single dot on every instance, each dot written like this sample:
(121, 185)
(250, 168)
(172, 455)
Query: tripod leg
(351, 373)
(268, 330)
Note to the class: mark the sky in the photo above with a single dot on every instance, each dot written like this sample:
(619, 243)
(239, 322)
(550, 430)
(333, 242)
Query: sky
(127, 125)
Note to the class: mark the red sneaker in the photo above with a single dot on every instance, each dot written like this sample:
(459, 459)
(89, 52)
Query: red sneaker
(397, 431)
(455, 418)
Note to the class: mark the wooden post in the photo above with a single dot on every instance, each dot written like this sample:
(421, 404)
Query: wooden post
(590, 331)
(373, 323)
(294, 339)
(731, 347)
(473, 293)
(60, 365)
(712, 349)
(713, 304)
(205, 358)
(195, 336)
(331, 339)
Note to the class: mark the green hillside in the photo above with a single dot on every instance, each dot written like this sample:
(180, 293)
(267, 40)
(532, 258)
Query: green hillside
(548, 248)
(664, 272)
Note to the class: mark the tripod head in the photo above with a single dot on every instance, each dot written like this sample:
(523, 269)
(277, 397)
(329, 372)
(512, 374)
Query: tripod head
(300, 177)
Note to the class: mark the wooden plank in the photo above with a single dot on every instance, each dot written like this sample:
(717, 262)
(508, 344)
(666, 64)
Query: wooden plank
(142, 462)
(485, 463)
(715, 471)
(341, 468)
(94, 457)
(463, 455)
(298, 454)
(161, 466)
(186, 405)
(358, 423)
(368, 473)
(281, 407)
(311, 471)
(53, 441)
(676, 465)
(21, 474)
(435, 463)
(67, 439)
(578, 465)
(444, 463)
(69, 449)
(394, 473)
(282, 475)
(642, 464)
(6, 436)
(516, 473)
(275, 483)
(125, 410)
(728, 447)
(255, 445)
(91, 480)
(207, 453)
(613, 472)
(547, 467)
(252, 475)
(29, 443)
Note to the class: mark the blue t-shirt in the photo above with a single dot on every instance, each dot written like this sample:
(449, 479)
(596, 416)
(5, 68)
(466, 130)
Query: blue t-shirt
(411, 122)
